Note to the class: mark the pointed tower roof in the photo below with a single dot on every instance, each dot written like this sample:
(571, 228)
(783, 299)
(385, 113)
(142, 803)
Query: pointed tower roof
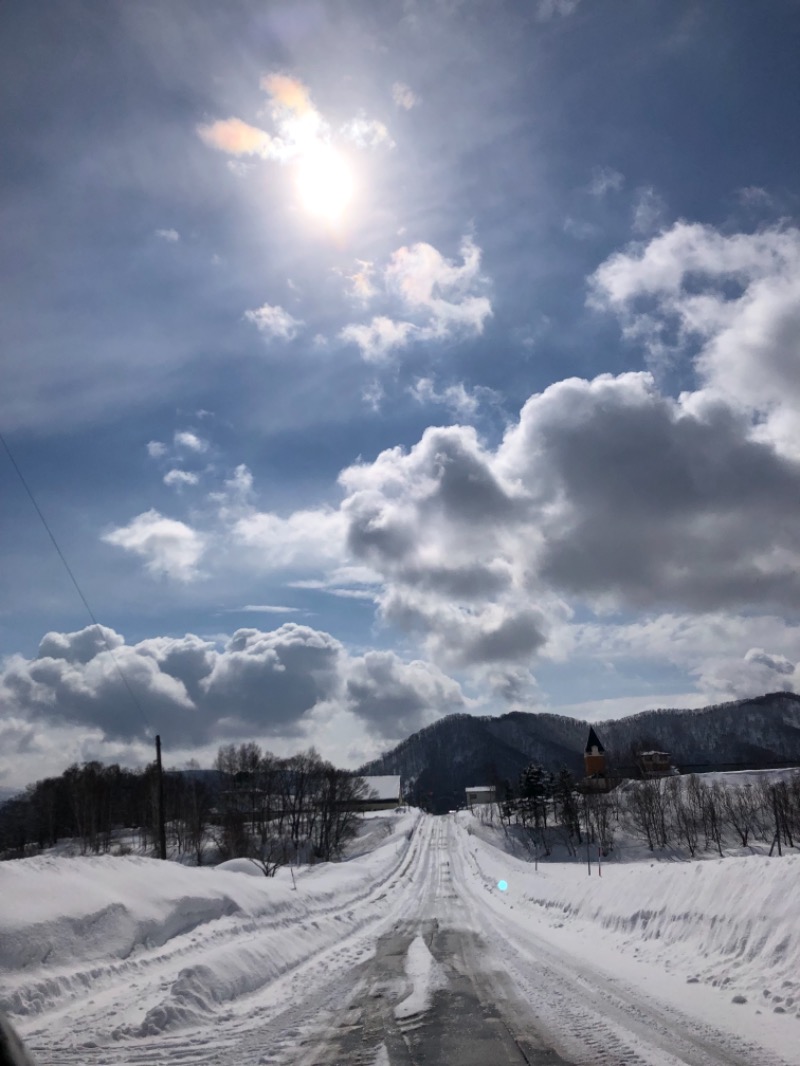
(593, 742)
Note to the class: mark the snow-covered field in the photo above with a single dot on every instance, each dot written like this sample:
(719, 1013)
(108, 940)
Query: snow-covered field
(123, 960)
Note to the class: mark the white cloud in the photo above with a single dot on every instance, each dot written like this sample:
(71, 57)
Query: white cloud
(731, 302)
(439, 298)
(179, 478)
(155, 449)
(754, 196)
(312, 537)
(378, 338)
(169, 547)
(396, 698)
(649, 210)
(235, 137)
(189, 441)
(169, 235)
(263, 608)
(548, 9)
(363, 287)
(456, 397)
(426, 281)
(286, 688)
(580, 229)
(299, 127)
(274, 321)
(604, 180)
(403, 96)
(367, 132)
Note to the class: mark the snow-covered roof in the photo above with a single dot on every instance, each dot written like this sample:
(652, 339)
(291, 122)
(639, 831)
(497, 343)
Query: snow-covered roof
(386, 786)
(480, 788)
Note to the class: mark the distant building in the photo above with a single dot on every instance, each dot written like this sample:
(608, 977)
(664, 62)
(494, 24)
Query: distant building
(594, 756)
(477, 794)
(383, 793)
(655, 764)
(597, 776)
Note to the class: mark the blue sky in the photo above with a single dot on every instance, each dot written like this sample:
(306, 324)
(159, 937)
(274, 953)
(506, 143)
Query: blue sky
(376, 361)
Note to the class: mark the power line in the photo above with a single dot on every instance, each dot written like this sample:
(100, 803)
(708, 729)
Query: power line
(74, 581)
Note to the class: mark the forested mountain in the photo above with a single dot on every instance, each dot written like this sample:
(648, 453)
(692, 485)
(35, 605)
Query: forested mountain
(439, 762)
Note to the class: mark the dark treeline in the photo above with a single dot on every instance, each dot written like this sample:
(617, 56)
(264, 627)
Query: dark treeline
(253, 805)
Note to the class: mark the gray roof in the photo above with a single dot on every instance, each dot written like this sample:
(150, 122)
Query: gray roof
(385, 787)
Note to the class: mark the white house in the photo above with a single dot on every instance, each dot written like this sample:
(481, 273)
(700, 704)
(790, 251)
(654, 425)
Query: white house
(383, 793)
(480, 794)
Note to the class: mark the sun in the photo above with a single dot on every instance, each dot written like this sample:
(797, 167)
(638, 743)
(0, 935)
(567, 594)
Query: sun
(325, 183)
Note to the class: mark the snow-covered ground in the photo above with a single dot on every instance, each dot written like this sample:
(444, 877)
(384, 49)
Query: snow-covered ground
(129, 960)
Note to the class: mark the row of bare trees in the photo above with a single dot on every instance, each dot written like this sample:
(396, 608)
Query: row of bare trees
(677, 811)
(255, 805)
(278, 810)
(703, 815)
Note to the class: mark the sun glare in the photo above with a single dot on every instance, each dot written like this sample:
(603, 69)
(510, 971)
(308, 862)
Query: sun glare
(325, 182)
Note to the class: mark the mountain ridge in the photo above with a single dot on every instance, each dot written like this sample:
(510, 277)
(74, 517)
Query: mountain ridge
(438, 762)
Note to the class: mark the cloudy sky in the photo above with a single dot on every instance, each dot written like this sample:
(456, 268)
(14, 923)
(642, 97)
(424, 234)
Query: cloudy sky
(373, 361)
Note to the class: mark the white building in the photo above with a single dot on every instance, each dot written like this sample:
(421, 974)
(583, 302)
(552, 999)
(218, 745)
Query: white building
(480, 794)
(383, 793)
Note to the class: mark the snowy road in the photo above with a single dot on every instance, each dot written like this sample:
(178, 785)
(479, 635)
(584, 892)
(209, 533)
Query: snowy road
(425, 962)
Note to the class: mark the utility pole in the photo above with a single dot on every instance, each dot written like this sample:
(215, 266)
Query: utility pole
(162, 825)
(777, 821)
(586, 819)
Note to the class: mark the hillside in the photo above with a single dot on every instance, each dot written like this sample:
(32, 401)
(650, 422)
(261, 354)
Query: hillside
(439, 762)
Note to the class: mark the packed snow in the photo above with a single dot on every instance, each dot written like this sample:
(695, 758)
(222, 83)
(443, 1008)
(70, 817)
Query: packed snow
(126, 959)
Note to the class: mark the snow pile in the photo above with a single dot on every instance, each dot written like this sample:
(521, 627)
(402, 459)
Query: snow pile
(730, 923)
(426, 977)
(67, 922)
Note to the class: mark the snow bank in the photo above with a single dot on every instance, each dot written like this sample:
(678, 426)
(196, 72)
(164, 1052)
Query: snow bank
(67, 922)
(731, 923)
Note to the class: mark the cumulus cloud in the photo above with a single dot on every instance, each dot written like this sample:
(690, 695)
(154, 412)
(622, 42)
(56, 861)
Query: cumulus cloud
(180, 478)
(187, 688)
(169, 235)
(716, 648)
(189, 441)
(274, 321)
(272, 685)
(168, 546)
(155, 449)
(439, 526)
(457, 397)
(651, 501)
(605, 492)
(427, 281)
(438, 298)
(396, 698)
(379, 337)
(403, 96)
(753, 674)
(729, 301)
(306, 537)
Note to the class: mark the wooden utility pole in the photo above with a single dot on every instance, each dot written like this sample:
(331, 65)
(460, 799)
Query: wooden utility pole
(777, 821)
(162, 825)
